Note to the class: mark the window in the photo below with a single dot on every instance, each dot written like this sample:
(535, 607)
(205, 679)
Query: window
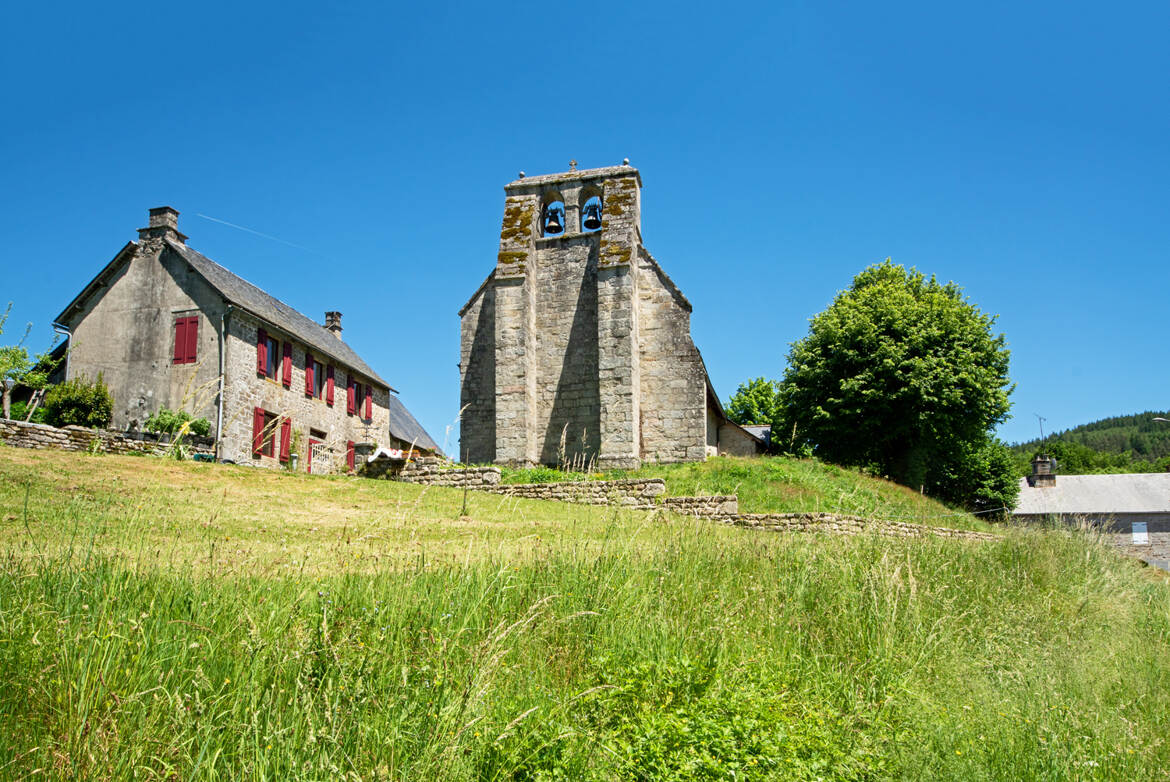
(318, 383)
(263, 432)
(266, 355)
(186, 339)
(318, 379)
(264, 437)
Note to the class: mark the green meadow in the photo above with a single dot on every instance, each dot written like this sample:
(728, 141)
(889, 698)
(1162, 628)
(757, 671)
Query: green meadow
(171, 620)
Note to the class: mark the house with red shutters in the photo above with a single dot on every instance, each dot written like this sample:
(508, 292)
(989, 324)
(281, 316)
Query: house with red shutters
(168, 327)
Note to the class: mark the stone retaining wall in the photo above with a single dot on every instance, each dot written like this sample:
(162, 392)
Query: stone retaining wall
(634, 493)
(712, 506)
(846, 525)
(430, 471)
(78, 438)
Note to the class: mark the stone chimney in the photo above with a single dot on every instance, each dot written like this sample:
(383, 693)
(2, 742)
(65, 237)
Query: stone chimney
(333, 323)
(1042, 472)
(164, 224)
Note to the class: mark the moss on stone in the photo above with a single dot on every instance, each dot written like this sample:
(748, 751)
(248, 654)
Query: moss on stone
(517, 223)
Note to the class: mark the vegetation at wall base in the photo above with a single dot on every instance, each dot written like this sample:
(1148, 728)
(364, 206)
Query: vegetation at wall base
(167, 421)
(603, 645)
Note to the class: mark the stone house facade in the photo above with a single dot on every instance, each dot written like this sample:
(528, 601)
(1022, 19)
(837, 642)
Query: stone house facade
(576, 349)
(168, 327)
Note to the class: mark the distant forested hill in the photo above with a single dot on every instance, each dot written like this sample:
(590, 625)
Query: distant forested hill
(1125, 443)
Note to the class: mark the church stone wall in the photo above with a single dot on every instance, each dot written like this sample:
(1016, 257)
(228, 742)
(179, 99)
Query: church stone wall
(673, 382)
(577, 349)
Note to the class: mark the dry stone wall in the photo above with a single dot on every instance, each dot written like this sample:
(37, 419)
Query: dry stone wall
(636, 494)
(78, 438)
(710, 506)
(847, 525)
(432, 472)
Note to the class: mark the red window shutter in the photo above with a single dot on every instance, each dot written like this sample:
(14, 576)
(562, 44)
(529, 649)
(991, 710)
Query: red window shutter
(329, 385)
(286, 367)
(262, 352)
(350, 396)
(369, 414)
(257, 431)
(191, 345)
(349, 455)
(180, 340)
(308, 374)
(285, 438)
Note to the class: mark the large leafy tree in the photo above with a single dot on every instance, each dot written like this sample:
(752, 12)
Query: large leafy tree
(903, 376)
(754, 402)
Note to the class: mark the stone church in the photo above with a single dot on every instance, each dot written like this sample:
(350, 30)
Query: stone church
(576, 349)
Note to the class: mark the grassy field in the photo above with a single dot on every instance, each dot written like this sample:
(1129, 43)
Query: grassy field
(163, 620)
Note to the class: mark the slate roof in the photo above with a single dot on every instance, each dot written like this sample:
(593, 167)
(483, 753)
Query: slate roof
(247, 296)
(404, 427)
(760, 432)
(1128, 493)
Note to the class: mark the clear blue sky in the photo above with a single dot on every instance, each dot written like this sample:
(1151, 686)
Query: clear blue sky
(1019, 149)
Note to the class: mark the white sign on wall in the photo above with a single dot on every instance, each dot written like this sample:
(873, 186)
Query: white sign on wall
(1141, 536)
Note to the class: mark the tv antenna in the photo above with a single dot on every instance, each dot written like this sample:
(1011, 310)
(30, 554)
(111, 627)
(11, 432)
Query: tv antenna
(1040, 419)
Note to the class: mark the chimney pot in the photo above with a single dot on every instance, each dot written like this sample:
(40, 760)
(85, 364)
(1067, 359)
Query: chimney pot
(164, 223)
(1042, 471)
(333, 323)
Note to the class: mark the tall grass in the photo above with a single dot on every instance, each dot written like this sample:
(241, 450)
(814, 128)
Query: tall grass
(628, 646)
(1041, 656)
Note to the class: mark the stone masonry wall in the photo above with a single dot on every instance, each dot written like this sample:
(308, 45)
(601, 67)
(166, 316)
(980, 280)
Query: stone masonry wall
(78, 438)
(706, 506)
(245, 390)
(563, 277)
(126, 332)
(672, 381)
(432, 472)
(477, 377)
(848, 525)
(634, 493)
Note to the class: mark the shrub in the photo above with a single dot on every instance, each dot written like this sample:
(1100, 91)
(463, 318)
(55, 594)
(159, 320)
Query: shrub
(79, 402)
(20, 411)
(169, 421)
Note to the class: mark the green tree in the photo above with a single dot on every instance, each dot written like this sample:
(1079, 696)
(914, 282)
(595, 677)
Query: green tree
(18, 367)
(903, 376)
(754, 402)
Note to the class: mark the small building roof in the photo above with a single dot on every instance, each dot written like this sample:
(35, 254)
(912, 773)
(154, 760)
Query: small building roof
(404, 427)
(760, 431)
(247, 296)
(1073, 494)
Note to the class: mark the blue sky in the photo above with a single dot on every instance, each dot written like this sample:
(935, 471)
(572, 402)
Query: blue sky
(1021, 150)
